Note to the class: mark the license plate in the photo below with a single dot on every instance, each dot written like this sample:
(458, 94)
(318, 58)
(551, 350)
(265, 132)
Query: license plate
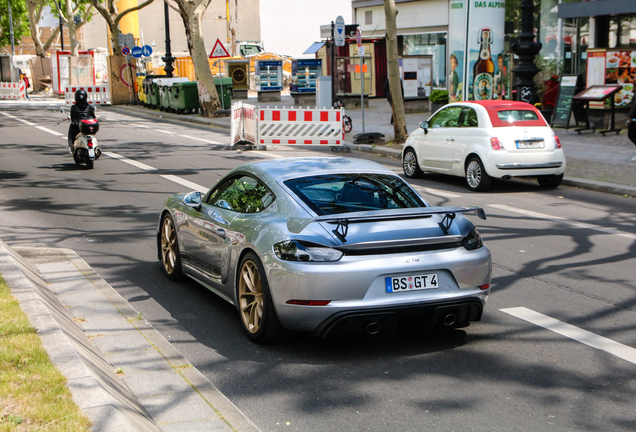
(91, 153)
(529, 144)
(411, 283)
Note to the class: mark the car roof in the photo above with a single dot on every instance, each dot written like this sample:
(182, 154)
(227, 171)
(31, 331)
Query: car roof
(497, 104)
(303, 166)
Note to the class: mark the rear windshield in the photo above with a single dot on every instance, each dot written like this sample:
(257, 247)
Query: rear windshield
(346, 193)
(516, 117)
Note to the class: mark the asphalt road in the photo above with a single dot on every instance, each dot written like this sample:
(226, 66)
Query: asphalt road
(559, 256)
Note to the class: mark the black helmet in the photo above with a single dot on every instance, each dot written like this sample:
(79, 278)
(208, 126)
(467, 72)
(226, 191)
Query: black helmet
(80, 96)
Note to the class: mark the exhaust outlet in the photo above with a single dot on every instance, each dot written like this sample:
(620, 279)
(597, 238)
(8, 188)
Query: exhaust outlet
(449, 319)
(373, 328)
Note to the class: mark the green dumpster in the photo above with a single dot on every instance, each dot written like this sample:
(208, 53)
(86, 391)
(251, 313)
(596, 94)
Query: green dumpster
(147, 86)
(184, 96)
(152, 95)
(164, 97)
(225, 96)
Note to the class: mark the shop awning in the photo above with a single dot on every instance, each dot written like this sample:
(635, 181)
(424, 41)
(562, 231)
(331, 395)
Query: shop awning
(596, 8)
(313, 49)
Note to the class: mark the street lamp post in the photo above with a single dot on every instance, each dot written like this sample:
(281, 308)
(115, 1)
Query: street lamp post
(167, 59)
(59, 5)
(526, 48)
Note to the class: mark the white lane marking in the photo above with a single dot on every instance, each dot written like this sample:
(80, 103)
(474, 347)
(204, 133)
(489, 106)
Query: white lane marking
(164, 131)
(52, 132)
(130, 161)
(585, 337)
(26, 122)
(436, 192)
(186, 183)
(200, 139)
(536, 215)
(143, 126)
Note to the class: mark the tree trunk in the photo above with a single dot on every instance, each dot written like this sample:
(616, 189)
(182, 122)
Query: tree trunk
(393, 69)
(208, 97)
(35, 27)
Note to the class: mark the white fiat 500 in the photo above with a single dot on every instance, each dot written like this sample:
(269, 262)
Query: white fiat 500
(482, 140)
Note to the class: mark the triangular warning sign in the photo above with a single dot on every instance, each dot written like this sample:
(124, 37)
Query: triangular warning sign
(219, 50)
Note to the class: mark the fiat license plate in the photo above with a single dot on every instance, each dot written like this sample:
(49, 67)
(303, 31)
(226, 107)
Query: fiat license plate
(411, 283)
(529, 144)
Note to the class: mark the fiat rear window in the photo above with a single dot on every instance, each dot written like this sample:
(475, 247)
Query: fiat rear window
(346, 193)
(516, 117)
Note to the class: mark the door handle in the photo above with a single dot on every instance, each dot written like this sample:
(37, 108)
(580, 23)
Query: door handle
(220, 232)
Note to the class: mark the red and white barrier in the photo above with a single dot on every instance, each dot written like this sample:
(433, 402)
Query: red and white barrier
(243, 123)
(287, 126)
(12, 90)
(96, 95)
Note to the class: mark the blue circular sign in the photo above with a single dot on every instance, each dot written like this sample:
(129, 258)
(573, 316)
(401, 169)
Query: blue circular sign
(125, 50)
(136, 52)
(146, 50)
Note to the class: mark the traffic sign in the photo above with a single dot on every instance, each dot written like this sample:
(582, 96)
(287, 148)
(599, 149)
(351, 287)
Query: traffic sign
(146, 50)
(136, 52)
(219, 50)
(339, 31)
(358, 37)
(126, 39)
(125, 50)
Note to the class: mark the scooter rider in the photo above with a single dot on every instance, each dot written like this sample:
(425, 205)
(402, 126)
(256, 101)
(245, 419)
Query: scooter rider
(80, 111)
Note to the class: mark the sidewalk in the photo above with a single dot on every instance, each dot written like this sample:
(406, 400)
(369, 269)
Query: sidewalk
(606, 164)
(121, 372)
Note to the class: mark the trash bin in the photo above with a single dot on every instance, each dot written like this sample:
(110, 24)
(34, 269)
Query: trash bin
(164, 91)
(225, 96)
(141, 94)
(152, 94)
(184, 96)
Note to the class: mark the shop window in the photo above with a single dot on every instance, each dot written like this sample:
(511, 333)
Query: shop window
(433, 44)
(621, 32)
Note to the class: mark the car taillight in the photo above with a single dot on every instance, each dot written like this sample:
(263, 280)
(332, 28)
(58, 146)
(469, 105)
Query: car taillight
(496, 145)
(293, 250)
(557, 141)
(484, 286)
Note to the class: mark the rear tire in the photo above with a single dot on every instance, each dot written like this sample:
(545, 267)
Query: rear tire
(89, 164)
(169, 249)
(550, 181)
(409, 164)
(476, 177)
(255, 303)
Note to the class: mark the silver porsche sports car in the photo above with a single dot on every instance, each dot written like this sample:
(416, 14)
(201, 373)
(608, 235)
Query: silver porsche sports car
(328, 246)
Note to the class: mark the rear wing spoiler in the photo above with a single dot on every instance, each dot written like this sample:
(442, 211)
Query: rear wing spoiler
(297, 225)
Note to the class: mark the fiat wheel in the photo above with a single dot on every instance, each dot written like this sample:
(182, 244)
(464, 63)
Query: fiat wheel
(409, 164)
(476, 177)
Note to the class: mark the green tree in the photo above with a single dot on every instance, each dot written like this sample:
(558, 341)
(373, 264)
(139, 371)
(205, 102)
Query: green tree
(74, 14)
(35, 9)
(20, 20)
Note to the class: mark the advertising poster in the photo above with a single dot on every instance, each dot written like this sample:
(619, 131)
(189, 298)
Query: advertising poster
(456, 48)
(620, 68)
(485, 70)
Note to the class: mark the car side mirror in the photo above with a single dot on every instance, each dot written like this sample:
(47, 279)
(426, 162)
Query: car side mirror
(193, 199)
(424, 125)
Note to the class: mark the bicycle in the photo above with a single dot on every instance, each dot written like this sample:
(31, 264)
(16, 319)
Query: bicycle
(347, 124)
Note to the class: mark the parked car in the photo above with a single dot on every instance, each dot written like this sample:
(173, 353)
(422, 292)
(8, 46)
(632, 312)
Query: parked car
(326, 246)
(483, 140)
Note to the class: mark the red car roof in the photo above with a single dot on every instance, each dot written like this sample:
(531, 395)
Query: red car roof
(492, 106)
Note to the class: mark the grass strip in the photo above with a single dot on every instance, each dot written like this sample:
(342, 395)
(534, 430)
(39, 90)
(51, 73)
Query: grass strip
(33, 392)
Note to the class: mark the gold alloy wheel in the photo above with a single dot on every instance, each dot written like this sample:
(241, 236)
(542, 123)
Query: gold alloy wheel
(251, 297)
(168, 245)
